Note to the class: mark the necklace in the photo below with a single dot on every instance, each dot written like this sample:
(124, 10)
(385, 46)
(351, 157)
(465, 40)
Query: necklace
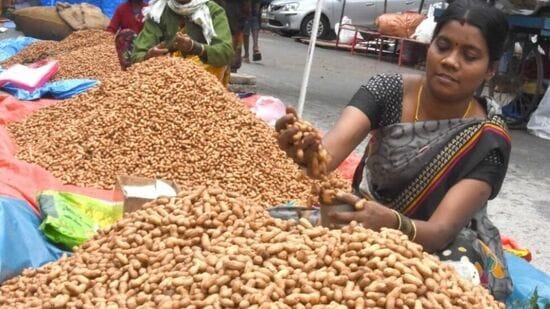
(470, 103)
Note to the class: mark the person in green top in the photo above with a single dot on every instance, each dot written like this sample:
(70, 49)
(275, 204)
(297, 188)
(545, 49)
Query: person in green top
(196, 29)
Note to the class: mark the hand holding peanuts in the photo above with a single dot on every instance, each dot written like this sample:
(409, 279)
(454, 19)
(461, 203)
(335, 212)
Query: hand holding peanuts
(370, 214)
(303, 143)
(157, 51)
(183, 42)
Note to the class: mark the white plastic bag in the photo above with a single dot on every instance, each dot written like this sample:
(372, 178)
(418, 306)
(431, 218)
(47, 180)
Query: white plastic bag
(269, 109)
(346, 36)
(539, 124)
(425, 30)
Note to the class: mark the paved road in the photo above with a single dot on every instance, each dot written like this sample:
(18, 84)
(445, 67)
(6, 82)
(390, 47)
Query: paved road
(522, 209)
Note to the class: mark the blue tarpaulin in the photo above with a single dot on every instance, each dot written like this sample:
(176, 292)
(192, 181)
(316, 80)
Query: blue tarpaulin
(59, 90)
(22, 245)
(11, 46)
(107, 6)
(526, 279)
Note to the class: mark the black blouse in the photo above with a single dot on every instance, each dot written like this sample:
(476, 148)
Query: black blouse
(381, 100)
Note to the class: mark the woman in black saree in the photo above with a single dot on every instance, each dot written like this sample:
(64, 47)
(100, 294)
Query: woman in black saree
(436, 154)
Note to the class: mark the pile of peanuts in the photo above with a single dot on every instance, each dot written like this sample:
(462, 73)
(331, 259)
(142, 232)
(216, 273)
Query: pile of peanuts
(208, 248)
(96, 62)
(165, 118)
(51, 49)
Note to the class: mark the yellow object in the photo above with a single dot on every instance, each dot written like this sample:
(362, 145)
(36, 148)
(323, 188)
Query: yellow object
(531, 88)
(219, 72)
(522, 253)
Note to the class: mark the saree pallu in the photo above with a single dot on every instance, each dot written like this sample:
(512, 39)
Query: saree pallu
(410, 167)
(124, 43)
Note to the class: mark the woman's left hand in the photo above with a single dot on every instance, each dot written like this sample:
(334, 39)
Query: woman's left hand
(183, 42)
(370, 214)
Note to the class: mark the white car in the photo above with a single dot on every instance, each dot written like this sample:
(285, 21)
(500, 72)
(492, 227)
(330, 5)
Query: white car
(292, 16)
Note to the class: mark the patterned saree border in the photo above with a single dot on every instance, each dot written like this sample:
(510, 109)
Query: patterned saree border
(454, 160)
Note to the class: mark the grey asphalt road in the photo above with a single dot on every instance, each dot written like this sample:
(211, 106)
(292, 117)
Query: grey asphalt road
(522, 209)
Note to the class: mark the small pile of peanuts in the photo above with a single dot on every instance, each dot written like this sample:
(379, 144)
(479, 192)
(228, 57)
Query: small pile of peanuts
(51, 49)
(164, 118)
(208, 248)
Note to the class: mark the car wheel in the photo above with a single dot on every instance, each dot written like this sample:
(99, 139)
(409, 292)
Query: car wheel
(307, 25)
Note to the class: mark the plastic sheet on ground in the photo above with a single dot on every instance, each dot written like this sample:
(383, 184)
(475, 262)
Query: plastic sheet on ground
(11, 46)
(526, 279)
(347, 168)
(12, 109)
(59, 90)
(22, 245)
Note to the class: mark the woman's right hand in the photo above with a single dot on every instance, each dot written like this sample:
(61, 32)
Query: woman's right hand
(157, 51)
(302, 149)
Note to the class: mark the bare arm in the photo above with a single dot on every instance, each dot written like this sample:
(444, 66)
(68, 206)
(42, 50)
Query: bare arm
(350, 130)
(454, 212)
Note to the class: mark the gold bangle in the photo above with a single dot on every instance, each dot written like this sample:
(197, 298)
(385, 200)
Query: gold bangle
(398, 219)
(414, 230)
(407, 226)
(190, 48)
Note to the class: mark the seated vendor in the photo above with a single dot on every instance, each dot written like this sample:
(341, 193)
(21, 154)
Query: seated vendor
(194, 29)
(437, 153)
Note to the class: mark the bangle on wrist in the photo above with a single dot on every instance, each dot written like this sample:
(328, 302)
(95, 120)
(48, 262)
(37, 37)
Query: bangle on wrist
(414, 230)
(408, 227)
(196, 49)
(398, 217)
(202, 50)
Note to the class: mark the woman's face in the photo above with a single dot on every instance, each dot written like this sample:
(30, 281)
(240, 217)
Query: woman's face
(457, 61)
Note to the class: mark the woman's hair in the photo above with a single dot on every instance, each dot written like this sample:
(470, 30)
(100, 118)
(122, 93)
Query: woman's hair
(492, 23)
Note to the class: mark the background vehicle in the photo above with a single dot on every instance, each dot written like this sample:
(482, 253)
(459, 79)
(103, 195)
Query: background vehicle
(296, 16)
